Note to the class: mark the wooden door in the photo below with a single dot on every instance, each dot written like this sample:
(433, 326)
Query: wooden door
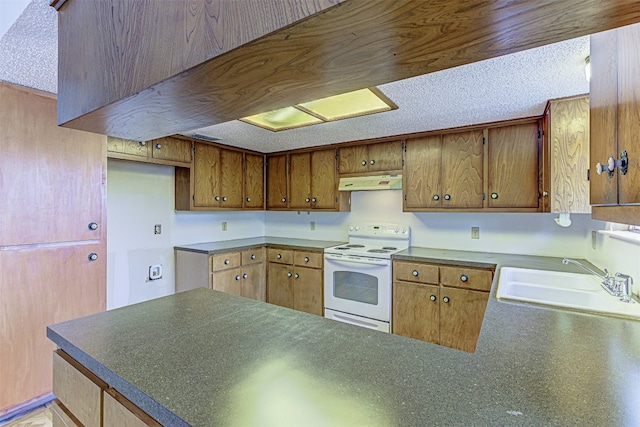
(513, 166)
(280, 284)
(603, 99)
(323, 179)
(173, 149)
(300, 181)
(415, 314)
(254, 181)
(232, 179)
(139, 149)
(421, 173)
(228, 281)
(462, 170)
(206, 173)
(385, 156)
(629, 113)
(277, 182)
(461, 317)
(307, 290)
(353, 159)
(254, 284)
(41, 286)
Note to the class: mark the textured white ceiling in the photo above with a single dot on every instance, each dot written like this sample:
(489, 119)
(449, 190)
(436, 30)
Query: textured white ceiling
(502, 88)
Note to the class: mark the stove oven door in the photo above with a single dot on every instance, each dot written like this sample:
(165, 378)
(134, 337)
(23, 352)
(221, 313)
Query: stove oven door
(359, 286)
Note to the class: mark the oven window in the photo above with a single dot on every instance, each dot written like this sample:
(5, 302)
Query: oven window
(354, 286)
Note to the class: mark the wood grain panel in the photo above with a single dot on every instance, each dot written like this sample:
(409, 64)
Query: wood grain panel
(387, 156)
(513, 166)
(192, 270)
(128, 147)
(603, 107)
(206, 175)
(300, 181)
(280, 285)
(228, 281)
(462, 169)
(174, 149)
(52, 180)
(324, 186)
(225, 261)
(350, 159)
(415, 272)
(120, 412)
(569, 152)
(307, 290)
(421, 173)
(253, 256)
(461, 318)
(283, 256)
(254, 181)
(479, 280)
(61, 417)
(277, 182)
(232, 179)
(622, 214)
(392, 41)
(254, 285)
(414, 314)
(629, 112)
(308, 259)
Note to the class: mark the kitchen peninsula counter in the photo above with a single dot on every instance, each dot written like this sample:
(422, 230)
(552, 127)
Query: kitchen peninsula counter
(205, 358)
(211, 248)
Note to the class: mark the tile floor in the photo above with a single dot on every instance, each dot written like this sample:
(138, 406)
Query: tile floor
(39, 417)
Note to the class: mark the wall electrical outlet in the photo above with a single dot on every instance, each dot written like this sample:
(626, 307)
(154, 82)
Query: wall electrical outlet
(157, 229)
(312, 225)
(475, 232)
(224, 225)
(155, 272)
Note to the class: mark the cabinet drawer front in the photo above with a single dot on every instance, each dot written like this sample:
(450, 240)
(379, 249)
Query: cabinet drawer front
(119, 412)
(78, 393)
(282, 256)
(252, 256)
(308, 259)
(415, 272)
(225, 261)
(467, 278)
(60, 416)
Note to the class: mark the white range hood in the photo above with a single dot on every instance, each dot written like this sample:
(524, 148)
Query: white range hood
(366, 183)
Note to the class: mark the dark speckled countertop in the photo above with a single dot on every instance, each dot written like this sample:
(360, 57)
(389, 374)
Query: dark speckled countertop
(204, 358)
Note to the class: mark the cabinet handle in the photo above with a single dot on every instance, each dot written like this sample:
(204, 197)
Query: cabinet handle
(93, 256)
(289, 274)
(284, 200)
(226, 262)
(297, 275)
(314, 200)
(494, 195)
(464, 278)
(415, 273)
(224, 198)
(306, 259)
(307, 200)
(244, 275)
(142, 143)
(447, 196)
(238, 277)
(248, 199)
(253, 256)
(279, 256)
(436, 197)
(158, 146)
(217, 198)
(372, 162)
(93, 226)
(364, 163)
(445, 299)
(433, 298)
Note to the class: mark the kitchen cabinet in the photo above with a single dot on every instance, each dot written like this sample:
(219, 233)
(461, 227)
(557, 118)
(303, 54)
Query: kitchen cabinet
(312, 178)
(382, 157)
(240, 273)
(440, 304)
(254, 183)
(565, 158)
(444, 171)
(295, 279)
(277, 181)
(614, 125)
(170, 151)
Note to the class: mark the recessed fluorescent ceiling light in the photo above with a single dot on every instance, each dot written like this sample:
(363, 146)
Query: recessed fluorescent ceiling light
(347, 105)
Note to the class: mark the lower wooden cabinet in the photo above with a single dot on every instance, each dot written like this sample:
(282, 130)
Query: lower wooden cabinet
(239, 273)
(295, 279)
(440, 304)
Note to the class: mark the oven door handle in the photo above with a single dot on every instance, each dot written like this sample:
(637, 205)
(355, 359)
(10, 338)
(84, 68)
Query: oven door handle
(350, 262)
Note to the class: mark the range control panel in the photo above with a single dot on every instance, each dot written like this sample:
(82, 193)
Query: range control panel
(382, 230)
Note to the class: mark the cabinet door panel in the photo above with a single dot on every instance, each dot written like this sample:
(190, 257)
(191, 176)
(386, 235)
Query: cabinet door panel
(254, 181)
(174, 149)
(127, 146)
(300, 180)
(206, 175)
(422, 173)
(461, 318)
(415, 315)
(280, 285)
(603, 98)
(462, 166)
(323, 179)
(351, 159)
(513, 166)
(231, 182)
(277, 182)
(307, 290)
(228, 281)
(386, 156)
(254, 284)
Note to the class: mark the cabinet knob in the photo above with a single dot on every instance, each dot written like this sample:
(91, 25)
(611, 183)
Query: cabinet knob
(217, 198)
(244, 275)
(610, 166)
(364, 163)
(372, 162)
(436, 197)
(248, 199)
(314, 200)
(289, 274)
(284, 200)
(226, 262)
(93, 256)
(447, 196)
(306, 259)
(297, 275)
(279, 256)
(433, 298)
(142, 143)
(158, 146)
(445, 299)
(464, 278)
(93, 226)
(253, 256)
(415, 273)
(307, 200)
(545, 193)
(238, 277)
(224, 198)
(494, 195)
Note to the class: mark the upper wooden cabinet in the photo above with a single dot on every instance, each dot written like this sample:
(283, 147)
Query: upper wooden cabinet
(277, 174)
(377, 157)
(164, 151)
(615, 127)
(253, 181)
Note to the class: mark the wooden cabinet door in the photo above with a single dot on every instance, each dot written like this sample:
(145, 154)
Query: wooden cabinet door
(300, 181)
(513, 166)
(277, 182)
(385, 156)
(421, 173)
(462, 170)
(415, 311)
(232, 177)
(353, 159)
(206, 175)
(254, 181)
(253, 282)
(228, 281)
(323, 179)
(603, 98)
(461, 317)
(129, 147)
(280, 284)
(173, 149)
(307, 290)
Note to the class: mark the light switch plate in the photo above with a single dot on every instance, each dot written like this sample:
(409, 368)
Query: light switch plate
(157, 229)
(475, 232)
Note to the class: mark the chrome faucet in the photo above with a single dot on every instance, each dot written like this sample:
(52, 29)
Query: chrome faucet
(620, 285)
